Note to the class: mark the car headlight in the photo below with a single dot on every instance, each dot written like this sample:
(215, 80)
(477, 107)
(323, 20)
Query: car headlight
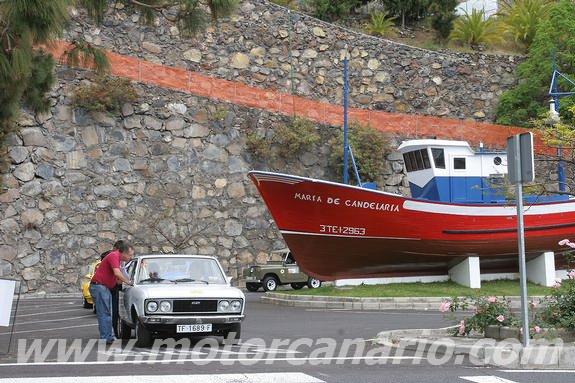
(152, 306)
(236, 305)
(223, 305)
(165, 306)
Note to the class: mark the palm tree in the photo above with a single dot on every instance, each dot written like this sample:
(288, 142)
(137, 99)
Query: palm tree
(475, 30)
(520, 19)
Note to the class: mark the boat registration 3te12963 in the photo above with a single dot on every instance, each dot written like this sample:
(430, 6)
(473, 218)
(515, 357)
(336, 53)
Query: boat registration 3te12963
(344, 230)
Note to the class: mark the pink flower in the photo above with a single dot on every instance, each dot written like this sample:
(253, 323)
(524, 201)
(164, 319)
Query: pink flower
(571, 274)
(492, 299)
(445, 306)
(500, 318)
(537, 329)
(566, 242)
(475, 309)
(462, 327)
(557, 284)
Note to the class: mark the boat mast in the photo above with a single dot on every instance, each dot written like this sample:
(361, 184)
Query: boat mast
(555, 118)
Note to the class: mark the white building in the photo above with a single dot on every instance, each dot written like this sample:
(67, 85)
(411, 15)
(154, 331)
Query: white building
(489, 6)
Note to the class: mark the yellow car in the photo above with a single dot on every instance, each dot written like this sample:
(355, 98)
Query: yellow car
(87, 300)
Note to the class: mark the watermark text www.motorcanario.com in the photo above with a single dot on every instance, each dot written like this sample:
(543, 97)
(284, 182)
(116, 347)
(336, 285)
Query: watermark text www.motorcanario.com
(296, 352)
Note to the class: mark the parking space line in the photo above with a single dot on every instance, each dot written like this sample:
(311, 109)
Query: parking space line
(19, 323)
(49, 329)
(48, 312)
(278, 377)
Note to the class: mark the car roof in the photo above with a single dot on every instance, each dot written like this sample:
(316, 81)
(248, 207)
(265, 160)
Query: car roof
(139, 256)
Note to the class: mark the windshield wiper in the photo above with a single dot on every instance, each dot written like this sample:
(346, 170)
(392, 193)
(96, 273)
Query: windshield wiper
(190, 280)
(152, 280)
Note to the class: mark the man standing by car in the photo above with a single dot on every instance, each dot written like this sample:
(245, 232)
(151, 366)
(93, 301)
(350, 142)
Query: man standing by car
(104, 280)
(116, 290)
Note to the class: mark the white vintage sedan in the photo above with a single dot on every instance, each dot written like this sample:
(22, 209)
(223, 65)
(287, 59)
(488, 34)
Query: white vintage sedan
(179, 296)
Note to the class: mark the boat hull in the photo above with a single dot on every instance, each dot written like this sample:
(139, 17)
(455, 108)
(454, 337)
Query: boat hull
(338, 231)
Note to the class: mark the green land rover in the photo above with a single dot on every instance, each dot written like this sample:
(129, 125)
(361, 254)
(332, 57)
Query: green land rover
(281, 269)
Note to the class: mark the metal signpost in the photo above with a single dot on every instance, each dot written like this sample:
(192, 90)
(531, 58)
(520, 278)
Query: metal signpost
(520, 165)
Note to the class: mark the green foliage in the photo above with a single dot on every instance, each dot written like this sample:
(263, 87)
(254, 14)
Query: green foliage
(330, 10)
(407, 11)
(370, 148)
(284, 141)
(555, 133)
(558, 308)
(442, 16)
(528, 99)
(190, 16)
(381, 24)
(486, 311)
(474, 30)
(520, 19)
(106, 94)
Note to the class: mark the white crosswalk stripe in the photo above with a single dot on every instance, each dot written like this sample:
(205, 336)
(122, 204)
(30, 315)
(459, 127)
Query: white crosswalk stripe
(487, 379)
(283, 377)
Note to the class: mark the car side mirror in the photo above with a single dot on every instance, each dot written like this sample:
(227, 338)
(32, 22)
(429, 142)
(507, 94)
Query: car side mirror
(229, 280)
(88, 276)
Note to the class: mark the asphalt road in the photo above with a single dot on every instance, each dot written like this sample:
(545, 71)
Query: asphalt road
(54, 337)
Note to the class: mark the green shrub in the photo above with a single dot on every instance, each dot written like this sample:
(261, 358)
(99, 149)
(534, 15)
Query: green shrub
(486, 311)
(381, 24)
(284, 141)
(105, 94)
(370, 148)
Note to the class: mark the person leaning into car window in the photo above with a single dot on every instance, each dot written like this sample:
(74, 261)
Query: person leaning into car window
(104, 280)
(116, 290)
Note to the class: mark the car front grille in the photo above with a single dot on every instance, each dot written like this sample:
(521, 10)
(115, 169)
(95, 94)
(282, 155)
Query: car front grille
(195, 306)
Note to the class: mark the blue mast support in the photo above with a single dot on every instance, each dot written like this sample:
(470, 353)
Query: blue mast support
(355, 168)
(345, 108)
(554, 91)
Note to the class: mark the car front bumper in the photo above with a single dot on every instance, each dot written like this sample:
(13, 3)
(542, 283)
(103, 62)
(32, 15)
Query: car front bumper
(151, 320)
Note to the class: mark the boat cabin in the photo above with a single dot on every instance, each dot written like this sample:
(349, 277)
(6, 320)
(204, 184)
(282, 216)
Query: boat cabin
(450, 171)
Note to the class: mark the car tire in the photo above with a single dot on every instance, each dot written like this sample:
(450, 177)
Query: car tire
(313, 283)
(124, 331)
(297, 286)
(143, 336)
(236, 333)
(270, 283)
(85, 303)
(253, 287)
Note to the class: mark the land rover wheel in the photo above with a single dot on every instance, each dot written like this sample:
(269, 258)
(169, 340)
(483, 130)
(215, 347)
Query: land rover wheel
(270, 283)
(253, 287)
(143, 336)
(297, 286)
(313, 283)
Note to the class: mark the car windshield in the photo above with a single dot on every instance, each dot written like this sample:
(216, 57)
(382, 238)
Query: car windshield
(165, 269)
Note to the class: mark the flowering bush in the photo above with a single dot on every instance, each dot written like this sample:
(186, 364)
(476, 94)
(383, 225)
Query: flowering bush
(485, 311)
(558, 308)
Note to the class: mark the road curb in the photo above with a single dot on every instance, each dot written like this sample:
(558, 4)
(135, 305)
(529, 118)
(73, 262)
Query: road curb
(439, 344)
(356, 303)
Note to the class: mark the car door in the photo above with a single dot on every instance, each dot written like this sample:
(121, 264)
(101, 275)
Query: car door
(291, 271)
(123, 299)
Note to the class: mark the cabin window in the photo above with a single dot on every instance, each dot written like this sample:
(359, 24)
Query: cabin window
(416, 160)
(438, 158)
(459, 163)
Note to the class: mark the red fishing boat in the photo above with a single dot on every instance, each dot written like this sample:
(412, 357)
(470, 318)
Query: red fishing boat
(456, 210)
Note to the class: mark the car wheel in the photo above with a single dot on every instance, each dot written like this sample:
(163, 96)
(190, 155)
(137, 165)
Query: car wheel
(124, 331)
(313, 283)
(233, 335)
(86, 304)
(270, 283)
(297, 286)
(253, 287)
(143, 336)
